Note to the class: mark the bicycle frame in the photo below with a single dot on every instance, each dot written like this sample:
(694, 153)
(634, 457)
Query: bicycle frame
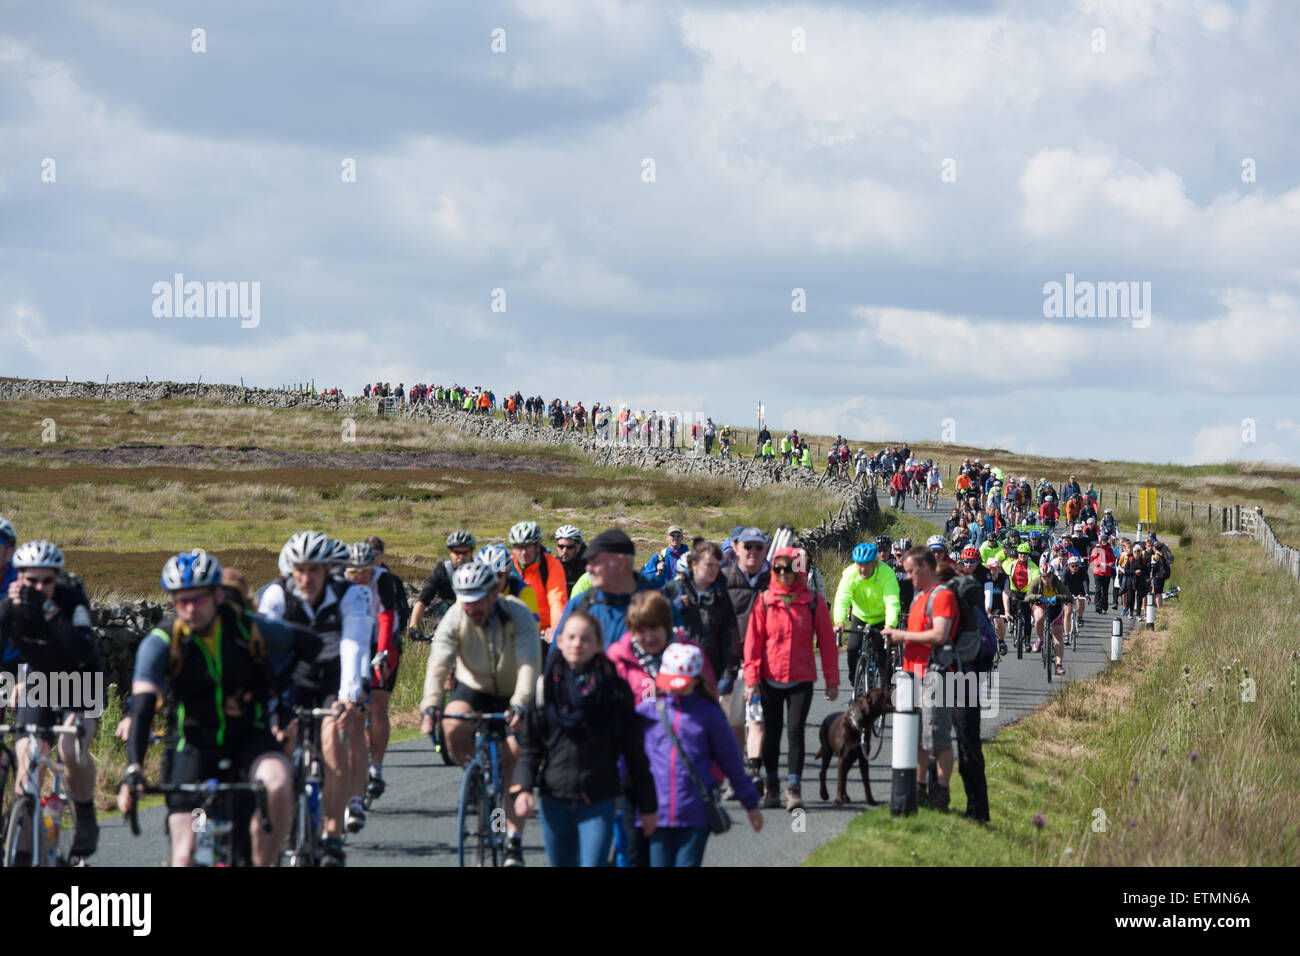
(483, 773)
(303, 848)
(218, 816)
(29, 803)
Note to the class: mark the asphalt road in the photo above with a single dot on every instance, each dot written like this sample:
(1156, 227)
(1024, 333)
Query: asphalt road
(414, 823)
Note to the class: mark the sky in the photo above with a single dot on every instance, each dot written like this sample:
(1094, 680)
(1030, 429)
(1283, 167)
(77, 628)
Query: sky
(852, 213)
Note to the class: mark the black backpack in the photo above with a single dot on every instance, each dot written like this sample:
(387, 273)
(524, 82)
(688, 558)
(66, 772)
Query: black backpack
(974, 646)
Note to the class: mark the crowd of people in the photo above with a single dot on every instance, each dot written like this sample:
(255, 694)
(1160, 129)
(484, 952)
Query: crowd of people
(632, 690)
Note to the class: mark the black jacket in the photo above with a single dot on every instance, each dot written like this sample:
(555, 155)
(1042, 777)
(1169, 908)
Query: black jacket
(711, 622)
(65, 642)
(742, 595)
(574, 568)
(582, 763)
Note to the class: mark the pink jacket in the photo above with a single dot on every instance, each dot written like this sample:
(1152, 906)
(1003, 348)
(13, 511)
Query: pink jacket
(642, 684)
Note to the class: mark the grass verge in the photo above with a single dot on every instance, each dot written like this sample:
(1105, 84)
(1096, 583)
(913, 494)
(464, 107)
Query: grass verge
(1185, 754)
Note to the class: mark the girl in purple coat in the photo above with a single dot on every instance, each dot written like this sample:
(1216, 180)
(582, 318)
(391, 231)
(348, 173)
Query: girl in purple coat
(701, 728)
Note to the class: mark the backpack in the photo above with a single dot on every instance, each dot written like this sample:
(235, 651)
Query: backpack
(975, 644)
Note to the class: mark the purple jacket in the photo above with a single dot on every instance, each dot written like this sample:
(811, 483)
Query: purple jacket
(705, 736)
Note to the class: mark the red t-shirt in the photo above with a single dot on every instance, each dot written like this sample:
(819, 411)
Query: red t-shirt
(945, 605)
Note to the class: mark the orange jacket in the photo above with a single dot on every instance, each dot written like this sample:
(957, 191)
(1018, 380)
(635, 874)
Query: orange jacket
(552, 593)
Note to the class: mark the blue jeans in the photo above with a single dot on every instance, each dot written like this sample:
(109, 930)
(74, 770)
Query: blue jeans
(577, 833)
(678, 846)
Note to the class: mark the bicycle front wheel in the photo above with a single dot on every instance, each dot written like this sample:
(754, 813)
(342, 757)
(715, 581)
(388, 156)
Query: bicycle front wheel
(474, 821)
(21, 828)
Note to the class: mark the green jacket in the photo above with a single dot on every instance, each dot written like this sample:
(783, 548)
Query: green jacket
(870, 600)
(1009, 565)
(807, 458)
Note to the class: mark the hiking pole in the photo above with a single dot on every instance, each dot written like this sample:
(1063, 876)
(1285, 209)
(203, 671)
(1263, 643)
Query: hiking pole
(906, 733)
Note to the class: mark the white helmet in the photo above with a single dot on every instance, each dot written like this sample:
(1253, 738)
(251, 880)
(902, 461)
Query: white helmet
(526, 532)
(568, 531)
(936, 541)
(309, 547)
(38, 554)
(496, 557)
(360, 555)
(7, 532)
(473, 581)
(191, 569)
(338, 554)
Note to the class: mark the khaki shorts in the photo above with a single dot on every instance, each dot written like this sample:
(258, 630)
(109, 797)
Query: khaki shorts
(936, 722)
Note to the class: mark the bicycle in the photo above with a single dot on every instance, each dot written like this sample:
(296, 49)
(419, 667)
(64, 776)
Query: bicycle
(480, 813)
(304, 846)
(932, 497)
(1049, 624)
(1020, 628)
(21, 823)
(213, 821)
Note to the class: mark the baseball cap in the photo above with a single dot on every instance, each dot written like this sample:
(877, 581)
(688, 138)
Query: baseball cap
(675, 529)
(749, 535)
(681, 663)
(612, 541)
(735, 532)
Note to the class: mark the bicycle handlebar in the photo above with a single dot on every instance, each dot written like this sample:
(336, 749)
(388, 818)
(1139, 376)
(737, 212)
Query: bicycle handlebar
(209, 787)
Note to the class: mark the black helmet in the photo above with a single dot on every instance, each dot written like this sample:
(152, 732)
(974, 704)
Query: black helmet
(883, 543)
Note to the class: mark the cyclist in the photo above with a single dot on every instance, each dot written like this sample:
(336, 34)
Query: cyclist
(45, 617)
(493, 643)
(210, 660)
(1052, 605)
(542, 571)
(572, 552)
(994, 587)
(1109, 527)
(340, 613)
(905, 589)
(1021, 572)
(724, 437)
(8, 574)
(509, 583)
(362, 569)
(933, 485)
(867, 598)
(437, 586)
(1076, 582)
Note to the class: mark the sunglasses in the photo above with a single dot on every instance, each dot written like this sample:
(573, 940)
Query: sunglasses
(754, 547)
(783, 569)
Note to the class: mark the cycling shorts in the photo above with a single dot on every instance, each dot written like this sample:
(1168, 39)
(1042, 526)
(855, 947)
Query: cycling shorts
(372, 677)
(191, 765)
(480, 702)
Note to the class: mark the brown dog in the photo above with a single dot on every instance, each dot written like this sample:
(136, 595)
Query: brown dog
(847, 736)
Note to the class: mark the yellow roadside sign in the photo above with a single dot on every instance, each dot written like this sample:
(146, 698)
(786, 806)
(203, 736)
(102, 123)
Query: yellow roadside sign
(1147, 506)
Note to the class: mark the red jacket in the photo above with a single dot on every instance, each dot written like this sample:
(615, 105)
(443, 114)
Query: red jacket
(779, 640)
(1102, 561)
(901, 482)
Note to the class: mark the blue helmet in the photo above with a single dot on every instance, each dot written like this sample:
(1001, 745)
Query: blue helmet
(191, 569)
(865, 552)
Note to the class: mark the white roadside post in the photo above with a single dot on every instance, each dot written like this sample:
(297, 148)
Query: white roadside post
(1151, 611)
(1116, 639)
(906, 737)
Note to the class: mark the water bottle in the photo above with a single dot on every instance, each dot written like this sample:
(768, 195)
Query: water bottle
(203, 846)
(313, 803)
(53, 821)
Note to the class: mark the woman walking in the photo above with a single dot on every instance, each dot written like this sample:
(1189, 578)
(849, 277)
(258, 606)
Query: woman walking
(582, 721)
(781, 666)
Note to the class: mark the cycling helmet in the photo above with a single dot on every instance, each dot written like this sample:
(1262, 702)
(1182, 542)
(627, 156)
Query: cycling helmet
(864, 553)
(969, 554)
(309, 547)
(1035, 536)
(1013, 535)
(338, 555)
(38, 554)
(473, 581)
(1047, 568)
(191, 569)
(460, 539)
(1107, 512)
(904, 544)
(1074, 559)
(496, 557)
(1024, 548)
(935, 542)
(526, 532)
(1092, 521)
(992, 564)
(360, 556)
(883, 542)
(7, 532)
(1078, 526)
(568, 531)
(1059, 546)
